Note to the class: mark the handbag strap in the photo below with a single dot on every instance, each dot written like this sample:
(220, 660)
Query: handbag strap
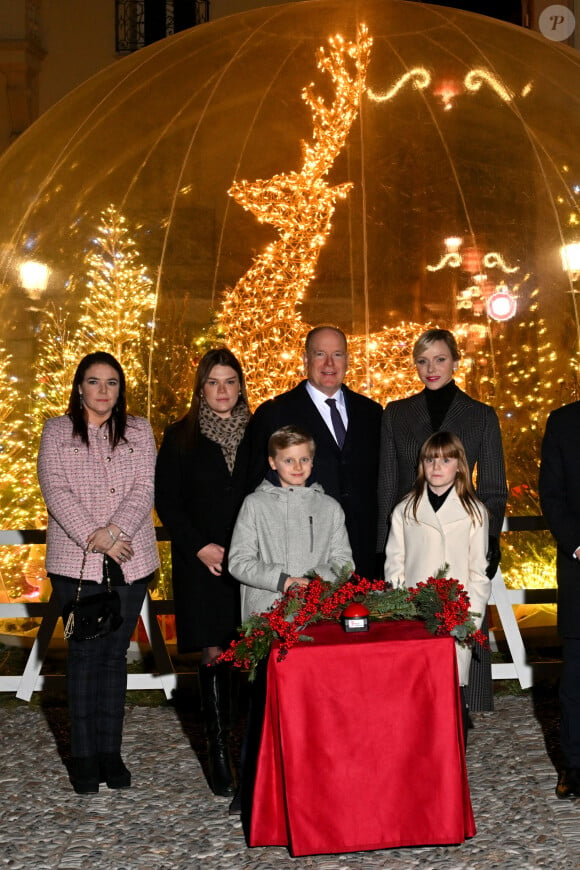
(108, 579)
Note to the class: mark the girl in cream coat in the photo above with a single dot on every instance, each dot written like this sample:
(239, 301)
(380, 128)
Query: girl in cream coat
(439, 523)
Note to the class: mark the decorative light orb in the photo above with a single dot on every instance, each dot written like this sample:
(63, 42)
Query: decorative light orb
(501, 306)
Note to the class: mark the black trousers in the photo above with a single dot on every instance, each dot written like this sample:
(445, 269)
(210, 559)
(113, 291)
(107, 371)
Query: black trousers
(570, 702)
(97, 673)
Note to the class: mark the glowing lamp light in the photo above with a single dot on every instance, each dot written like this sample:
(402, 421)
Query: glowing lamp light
(34, 277)
(501, 305)
(452, 244)
(570, 255)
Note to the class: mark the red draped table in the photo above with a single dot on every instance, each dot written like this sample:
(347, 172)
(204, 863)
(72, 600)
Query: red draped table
(362, 744)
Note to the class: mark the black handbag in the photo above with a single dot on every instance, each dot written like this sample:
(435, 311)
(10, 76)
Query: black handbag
(95, 615)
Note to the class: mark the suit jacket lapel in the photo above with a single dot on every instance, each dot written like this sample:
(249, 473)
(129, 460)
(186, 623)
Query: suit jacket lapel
(355, 430)
(455, 410)
(419, 420)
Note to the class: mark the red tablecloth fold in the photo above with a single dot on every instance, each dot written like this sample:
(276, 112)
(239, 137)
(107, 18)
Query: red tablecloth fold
(362, 744)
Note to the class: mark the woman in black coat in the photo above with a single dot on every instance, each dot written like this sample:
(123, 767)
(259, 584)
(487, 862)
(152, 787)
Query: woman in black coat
(199, 486)
(407, 423)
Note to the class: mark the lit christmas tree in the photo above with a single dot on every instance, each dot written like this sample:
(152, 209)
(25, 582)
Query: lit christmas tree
(59, 352)
(118, 304)
(19, 503)
(14, 465)
(114, 317)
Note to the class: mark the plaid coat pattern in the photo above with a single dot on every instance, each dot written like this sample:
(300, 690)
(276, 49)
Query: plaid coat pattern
(88, 487)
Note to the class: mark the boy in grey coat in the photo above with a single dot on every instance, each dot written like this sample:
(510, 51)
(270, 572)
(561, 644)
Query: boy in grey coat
(286, 528)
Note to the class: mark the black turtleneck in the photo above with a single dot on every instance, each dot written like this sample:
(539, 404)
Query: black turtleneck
(438, 402)
(437, 500)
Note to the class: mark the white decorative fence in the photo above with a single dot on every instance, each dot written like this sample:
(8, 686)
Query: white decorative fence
(165, 678)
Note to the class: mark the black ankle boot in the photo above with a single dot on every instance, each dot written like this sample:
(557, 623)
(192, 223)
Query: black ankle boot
(214, 682)
(113, 771)
(84, 774)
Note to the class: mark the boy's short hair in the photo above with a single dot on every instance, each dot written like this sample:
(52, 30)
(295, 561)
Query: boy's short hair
(288, 436)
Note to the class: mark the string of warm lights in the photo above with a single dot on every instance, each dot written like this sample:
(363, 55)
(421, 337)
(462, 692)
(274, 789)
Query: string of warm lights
(494, 260)
(119, 299)
(259, 317)
(114, 311)
(59, 352)
(19, 508)
(475, 78)
(453, 260)
(523, 403)
(418, 77)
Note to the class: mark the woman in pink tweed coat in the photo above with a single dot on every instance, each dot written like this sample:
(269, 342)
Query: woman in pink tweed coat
(96, 468)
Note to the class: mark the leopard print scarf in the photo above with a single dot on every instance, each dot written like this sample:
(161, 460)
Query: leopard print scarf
(225, 431)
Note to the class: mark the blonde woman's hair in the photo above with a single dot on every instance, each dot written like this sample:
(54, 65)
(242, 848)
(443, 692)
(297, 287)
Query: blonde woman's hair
(430, 337)
(449, 446)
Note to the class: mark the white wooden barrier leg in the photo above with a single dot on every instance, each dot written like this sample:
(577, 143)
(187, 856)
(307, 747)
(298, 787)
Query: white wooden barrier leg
(156, 640)
(29, 678)
(518, 667)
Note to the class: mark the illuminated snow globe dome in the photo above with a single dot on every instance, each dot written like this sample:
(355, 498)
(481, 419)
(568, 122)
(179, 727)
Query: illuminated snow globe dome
(385, 166)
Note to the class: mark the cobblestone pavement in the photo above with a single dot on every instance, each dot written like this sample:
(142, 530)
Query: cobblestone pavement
(169, 820)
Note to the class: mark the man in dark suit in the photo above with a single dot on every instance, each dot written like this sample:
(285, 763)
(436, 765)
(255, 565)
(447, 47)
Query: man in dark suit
(346, 432)
(560, 500)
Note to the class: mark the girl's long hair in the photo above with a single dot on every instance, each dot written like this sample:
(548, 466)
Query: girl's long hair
(449, 446)
(117, 422)
(218, 356)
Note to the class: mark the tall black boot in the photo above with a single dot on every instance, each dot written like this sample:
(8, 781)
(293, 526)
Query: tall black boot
(215, 688)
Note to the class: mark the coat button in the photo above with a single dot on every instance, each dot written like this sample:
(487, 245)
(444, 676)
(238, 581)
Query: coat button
(108, 458)
(112, 489)
(131, 450)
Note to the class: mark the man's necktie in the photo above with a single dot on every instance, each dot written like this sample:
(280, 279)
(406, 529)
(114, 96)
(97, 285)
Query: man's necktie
(337, 423)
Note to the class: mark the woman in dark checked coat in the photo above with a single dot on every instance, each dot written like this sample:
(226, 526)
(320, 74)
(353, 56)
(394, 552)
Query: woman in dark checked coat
(407, 424)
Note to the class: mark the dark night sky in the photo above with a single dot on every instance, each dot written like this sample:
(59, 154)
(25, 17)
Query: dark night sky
(504, 10)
